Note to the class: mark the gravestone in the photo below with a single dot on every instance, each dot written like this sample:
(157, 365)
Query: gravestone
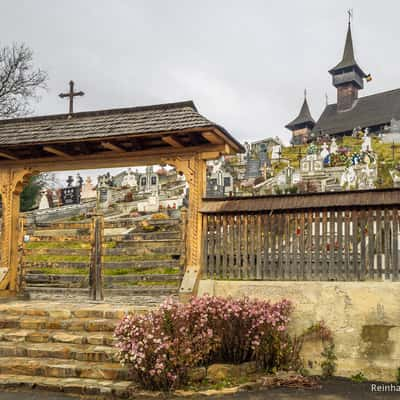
(366, 144)
(333, 149)
(44, 201)
(130, 179)
(276, 152)
(87, 189)
(70, 195)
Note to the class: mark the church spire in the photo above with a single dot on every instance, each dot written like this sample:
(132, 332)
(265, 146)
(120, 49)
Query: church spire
(348, 59)
(302, 125)
(347, 76)
(304, 117)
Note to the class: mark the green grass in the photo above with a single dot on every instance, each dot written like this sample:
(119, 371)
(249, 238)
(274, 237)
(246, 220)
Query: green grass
(57, 245)
(147, 271)
(143, 257)
(49, 258)
(147, 283)
(61, 271)
(56, 258)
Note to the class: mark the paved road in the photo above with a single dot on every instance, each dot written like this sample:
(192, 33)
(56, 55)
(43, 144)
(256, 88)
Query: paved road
(34, 395)
(335, 390)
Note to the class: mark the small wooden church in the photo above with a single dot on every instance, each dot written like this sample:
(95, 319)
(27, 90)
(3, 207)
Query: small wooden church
(350, 111)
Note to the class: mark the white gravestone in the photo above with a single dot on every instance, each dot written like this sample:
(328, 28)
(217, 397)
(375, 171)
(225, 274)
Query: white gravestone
(44, 201)
(324, 152)
(333, 149)
(87, 189)
(366, 144)
(276, 152)
(130, 179)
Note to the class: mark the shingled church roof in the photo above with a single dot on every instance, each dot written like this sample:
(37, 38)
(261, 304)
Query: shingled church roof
(304, 117)
(377, 109)
(348, 59)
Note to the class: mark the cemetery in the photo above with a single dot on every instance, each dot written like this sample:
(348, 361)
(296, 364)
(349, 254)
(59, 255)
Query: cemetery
(212, 218)
(193, 262)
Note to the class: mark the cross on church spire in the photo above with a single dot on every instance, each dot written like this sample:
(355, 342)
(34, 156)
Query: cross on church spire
(71, 94)
(350, 12)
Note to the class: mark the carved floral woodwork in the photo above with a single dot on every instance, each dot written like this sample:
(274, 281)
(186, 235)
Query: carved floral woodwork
(12, 182)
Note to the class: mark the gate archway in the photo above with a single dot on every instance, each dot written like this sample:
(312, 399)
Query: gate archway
(174, 134)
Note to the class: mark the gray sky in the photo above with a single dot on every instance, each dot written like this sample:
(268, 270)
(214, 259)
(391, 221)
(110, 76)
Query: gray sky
(244, 63)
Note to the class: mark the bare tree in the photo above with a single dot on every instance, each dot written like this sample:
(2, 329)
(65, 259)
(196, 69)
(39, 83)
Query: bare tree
(19, 80)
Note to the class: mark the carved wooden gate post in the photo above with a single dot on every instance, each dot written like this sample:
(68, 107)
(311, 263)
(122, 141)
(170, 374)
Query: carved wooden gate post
(194, 169)
(11, 184)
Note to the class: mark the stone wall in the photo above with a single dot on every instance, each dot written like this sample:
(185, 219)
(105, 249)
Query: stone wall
(364, 318)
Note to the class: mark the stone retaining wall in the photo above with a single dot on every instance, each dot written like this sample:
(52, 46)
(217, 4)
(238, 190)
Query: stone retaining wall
(364, 318)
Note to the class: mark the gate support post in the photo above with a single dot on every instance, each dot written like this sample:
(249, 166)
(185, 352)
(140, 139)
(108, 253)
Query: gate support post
(194, 169)
(12, 181)
(96, 258)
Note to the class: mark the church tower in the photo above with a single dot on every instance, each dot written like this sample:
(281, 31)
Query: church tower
(347, 76)
(302, 125)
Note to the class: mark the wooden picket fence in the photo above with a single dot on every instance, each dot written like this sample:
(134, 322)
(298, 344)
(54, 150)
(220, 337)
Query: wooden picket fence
(274, 242)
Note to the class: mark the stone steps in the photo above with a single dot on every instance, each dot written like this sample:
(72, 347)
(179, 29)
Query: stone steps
(62, 347)
(79, 386)
(59, 350)
(61, 368)
(70, 324)
(16, 335)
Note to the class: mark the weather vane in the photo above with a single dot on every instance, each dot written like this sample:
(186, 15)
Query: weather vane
(71, 94)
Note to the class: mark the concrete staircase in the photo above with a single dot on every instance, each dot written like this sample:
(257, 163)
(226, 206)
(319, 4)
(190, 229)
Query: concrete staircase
(252, 169)
(62, 347)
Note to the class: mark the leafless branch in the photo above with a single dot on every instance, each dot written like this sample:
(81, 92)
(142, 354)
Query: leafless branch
(19, 80)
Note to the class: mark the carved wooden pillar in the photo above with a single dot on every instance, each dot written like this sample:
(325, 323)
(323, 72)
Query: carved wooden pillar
(194, 169)
(11, 184)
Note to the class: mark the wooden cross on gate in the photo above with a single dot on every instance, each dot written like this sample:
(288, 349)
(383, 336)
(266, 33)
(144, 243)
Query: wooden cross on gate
(71, 94)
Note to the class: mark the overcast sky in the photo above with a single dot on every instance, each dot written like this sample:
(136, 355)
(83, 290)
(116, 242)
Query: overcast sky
(245, 64)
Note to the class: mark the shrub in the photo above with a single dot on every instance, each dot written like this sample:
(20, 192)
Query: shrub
(163, 345)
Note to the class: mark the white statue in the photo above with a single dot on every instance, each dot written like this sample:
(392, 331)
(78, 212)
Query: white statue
(217, 165)
(130, 179)
(44, 201)
(348, 179)
(324, 152)
(366, 144)
(333, 149)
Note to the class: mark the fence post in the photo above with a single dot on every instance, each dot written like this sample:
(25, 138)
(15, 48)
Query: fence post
(96, 259)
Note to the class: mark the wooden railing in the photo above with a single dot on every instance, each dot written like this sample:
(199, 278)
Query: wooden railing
(359, 242)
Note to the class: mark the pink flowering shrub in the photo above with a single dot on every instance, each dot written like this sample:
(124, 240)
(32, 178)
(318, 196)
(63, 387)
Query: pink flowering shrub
(163, 345)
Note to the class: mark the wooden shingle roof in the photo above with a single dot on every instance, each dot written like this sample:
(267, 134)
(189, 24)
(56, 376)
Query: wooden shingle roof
(304, 117)
(102, 124)
(377, 109)
(359, 198)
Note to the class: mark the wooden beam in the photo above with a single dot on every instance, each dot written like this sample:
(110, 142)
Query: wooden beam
(172, 141)
(9, 156)
(57, 152)
(111, 159)
(113, 147)
(212, 137)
